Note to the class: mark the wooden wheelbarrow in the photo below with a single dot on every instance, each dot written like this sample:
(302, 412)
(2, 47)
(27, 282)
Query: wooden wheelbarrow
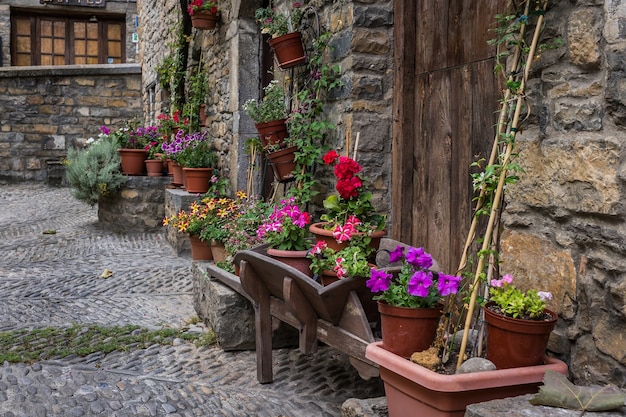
(332, 314)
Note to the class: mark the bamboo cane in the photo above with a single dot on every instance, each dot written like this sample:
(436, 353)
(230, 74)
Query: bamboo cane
(499, 190)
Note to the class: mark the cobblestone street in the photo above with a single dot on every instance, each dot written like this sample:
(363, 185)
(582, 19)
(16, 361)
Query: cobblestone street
(53, 255)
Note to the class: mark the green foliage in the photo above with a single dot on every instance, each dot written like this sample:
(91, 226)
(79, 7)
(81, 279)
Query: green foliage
(308, 124)
(271, 107)
(198, 154)
(352, 261)
(275, 23)
(196, 96)
(518, 304)
(27, 346)
(94, 173)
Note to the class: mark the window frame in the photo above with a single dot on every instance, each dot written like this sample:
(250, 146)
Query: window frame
(70, 54)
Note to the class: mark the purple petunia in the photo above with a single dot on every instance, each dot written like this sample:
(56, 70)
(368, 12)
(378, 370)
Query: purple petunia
(397, 254)
(448, 284)
(379, 281)
(419, 258)
(420, 283)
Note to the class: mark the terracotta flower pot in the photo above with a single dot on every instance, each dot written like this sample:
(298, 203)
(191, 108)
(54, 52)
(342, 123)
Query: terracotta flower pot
(200, 250)
(409, 386)
(288, 50)
(219, 251)
(197, 180)
(283, 163)
(132, 161)
(154, 167)
(327, 235)
(513, 343)
(408, 330)
(204, 20)
(177, 173)
(295, 258)
(273, 132)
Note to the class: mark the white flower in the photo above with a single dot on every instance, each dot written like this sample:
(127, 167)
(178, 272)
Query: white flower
(545, 295)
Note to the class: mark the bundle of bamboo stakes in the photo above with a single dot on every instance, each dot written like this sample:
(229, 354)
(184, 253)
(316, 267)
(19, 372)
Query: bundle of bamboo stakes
(508, 125)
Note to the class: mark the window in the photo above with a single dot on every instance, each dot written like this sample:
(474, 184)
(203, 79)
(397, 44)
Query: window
(62, 40)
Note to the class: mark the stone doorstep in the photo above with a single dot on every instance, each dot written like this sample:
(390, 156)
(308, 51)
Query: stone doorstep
(520, 407)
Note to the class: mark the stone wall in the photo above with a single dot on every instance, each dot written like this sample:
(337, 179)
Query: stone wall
(48, 109)
(565, 219)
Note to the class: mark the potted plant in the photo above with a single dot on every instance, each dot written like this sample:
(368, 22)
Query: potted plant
(154, 162)
(198, 161)
(350, 212)
(518, 324)
(269, 114)
(204, 14)
(286, 40)
(242, 231)
(352, 259)
(410, 302)
(219, 212)
(131, 143)
(286, 232)
(191, 222)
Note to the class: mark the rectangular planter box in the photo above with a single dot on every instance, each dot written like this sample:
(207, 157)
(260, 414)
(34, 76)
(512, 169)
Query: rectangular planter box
(413, 390)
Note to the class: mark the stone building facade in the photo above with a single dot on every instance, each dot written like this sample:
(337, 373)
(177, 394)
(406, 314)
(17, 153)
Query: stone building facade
(567, 207)
(45, 109)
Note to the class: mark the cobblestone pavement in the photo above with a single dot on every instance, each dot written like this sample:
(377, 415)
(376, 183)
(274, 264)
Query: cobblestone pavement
(53, 279)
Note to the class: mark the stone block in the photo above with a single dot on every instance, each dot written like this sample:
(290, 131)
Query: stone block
(138, 207)
(229, 314)
(376, 42)
(368, 407)
(584, 38)
(578, 174)
(373, 16)
(521, 407)
(584, 114)
(368, 88)
(555, 272)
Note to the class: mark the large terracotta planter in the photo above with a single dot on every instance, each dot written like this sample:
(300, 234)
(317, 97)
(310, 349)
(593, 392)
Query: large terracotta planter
(204, 20)
(197, 180)
(294, 258)
(283, 163)
(408, 330)
(327, 235)
(288, 49)
(513, 343)
(273, 132)
(415, 391)
(200, 250)
(132, 161)
(154, 167)
(177, 173)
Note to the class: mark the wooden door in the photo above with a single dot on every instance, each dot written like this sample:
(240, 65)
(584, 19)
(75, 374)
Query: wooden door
(446, 96)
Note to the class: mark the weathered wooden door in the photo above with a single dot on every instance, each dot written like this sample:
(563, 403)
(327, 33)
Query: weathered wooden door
(446, 96)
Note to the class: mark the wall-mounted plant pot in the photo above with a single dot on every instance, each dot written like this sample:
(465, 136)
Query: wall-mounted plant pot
(283, 163)
(413, 390)
(202, 115)
(289, 50)
(204, 20)
(273, 132)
